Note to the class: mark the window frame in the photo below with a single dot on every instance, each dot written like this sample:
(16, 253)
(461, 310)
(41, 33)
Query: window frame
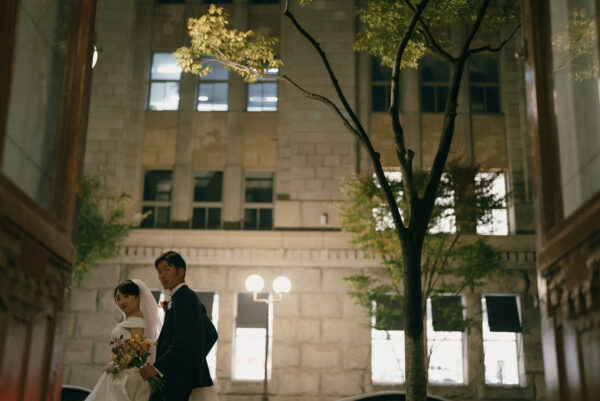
(207, 205)
(261, 82)
(485, 85)
(520, 355)
(208, 81)
(155, 204)
(152, 81)
(436, 85)
(258, 206)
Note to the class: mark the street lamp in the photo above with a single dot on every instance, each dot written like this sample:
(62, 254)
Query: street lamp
(281, 285)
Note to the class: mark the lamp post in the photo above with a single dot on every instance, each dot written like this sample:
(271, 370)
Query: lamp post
(281, 285)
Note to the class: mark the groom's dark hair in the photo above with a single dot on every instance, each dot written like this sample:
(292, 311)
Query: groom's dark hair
(172, 258)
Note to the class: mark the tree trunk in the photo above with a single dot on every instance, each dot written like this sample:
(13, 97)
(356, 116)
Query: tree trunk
(414, 336)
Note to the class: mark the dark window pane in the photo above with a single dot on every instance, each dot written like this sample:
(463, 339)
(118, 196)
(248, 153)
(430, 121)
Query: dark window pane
(427, 99)
(214, 218)
(503, 313)
(477, 99)
(259, 187)
(206, 299)
(380, 97)
(266, 219)
(218, 73)
(379, 72)
(199, 218)
(251, 314)
(148, 222)
(446, 313)
(163, 216)
(483, 69)
(432, 69)
(157, 185)
(388, 313)
(250, 219)
(492, 98)
(208, 186)
(441, 97)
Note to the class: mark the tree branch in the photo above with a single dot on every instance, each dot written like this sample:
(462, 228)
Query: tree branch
(375, 157)
(449, 122)
(405, 158)
(489, 48)
(432, 43)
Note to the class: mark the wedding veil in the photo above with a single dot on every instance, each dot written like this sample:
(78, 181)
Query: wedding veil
(149, 309)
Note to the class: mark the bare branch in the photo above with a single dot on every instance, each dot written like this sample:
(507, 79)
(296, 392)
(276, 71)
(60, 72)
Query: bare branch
(449, 121)
(329, 104)
(405, 161)
(432, 43)
(375, 157)
(489, 48)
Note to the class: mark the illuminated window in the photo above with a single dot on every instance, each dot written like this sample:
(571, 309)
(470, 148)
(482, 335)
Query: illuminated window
(434, 75)
(387, 344)
(262, 95)
(502, 340)
(445, 339)
(381, 86)
(445, 344)
(484, 84)
(258, 206)
(497, 221)
(210, 300)
(157, 198)
(208, 189)
(213, 89)
(164, 82)
(382, 214)
(250, 331)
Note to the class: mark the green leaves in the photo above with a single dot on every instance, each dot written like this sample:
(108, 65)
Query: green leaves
(101, 226)
(212, 40)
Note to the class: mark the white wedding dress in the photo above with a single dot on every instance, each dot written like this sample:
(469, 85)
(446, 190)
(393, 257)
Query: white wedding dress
(127, 385)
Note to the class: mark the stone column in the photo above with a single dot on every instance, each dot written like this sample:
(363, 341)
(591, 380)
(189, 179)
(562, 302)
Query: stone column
(463, 148)
(518, 177)
(233, 175)
(412, 114)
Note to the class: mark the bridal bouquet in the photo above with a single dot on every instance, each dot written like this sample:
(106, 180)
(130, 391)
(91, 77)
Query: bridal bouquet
(132, 353)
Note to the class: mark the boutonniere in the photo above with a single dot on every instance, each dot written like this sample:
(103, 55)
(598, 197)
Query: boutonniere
(166, 305)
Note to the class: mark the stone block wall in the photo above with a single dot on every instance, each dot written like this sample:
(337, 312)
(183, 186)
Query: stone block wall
(321, 341)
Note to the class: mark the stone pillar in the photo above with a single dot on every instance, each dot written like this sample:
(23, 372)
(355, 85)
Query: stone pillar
(233, 175)
(518, 177)
(463, 148)
(474, 345)
(412, 114)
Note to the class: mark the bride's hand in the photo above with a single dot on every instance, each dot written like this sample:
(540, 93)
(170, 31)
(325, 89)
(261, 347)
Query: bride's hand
(109, 367)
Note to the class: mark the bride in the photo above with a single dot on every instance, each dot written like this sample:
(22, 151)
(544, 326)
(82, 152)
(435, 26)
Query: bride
(140, 313)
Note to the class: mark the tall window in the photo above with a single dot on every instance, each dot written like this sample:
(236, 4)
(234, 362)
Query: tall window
(445, 339)
(434, 76)
(210, 300)
(208, 195)
(258, 208)
(164, 82)
(445, 344)
(502, 340)
(157, 198)
(387, 344)
(380, 86)
(498, 224)
(484, 83)
(212, 89)
(250, 332)
(262, 95)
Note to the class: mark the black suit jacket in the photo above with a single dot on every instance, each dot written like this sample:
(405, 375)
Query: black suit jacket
(186, 338)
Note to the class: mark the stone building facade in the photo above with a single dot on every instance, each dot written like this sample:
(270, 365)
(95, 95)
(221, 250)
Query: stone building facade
(321, 345)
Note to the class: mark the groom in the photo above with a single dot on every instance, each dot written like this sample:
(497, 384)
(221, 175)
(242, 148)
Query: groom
(186, 337)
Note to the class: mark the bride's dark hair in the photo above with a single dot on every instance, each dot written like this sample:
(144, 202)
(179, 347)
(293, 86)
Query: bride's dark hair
(127, 287)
